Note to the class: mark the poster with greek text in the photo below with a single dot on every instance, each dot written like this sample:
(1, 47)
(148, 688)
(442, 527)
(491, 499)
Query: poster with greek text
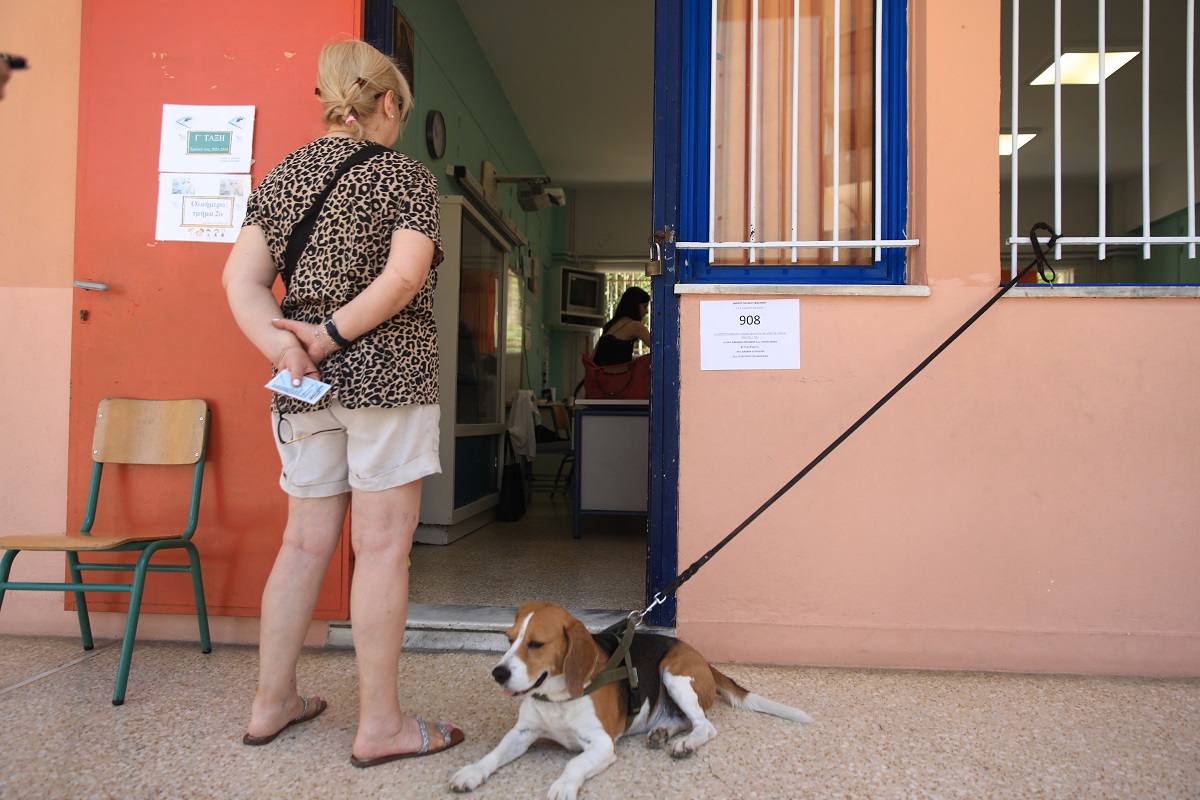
(749, 334)
(206, 138)
(199, 207)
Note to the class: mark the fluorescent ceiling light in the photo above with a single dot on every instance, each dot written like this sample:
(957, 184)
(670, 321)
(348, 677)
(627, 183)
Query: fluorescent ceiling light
(1006, 148)
(1084, 68)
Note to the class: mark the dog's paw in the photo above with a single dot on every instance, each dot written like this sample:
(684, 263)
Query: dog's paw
(563, 789)
(468, 778)
(682, 748)
(657, 738)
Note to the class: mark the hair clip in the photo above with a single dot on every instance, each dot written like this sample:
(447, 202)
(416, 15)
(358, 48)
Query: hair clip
(361, 82)
(349, 119)
(317, 91)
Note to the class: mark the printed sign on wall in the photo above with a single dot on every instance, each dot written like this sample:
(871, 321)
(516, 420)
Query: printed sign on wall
(197, 207)
(749, 334)
(203, 172)
(206, 138)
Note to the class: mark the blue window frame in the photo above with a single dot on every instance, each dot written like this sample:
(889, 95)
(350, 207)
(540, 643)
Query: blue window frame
(889, 268)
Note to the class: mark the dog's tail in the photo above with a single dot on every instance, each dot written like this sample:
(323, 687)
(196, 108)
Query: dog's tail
(739, 697)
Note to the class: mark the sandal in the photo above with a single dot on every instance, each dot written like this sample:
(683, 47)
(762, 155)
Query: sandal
(312, 709)
(451, 737)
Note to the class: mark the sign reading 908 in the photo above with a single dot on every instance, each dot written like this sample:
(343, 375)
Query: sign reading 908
(209, 142)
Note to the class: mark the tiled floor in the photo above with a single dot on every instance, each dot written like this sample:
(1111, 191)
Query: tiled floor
(502, 563)
(875, 734)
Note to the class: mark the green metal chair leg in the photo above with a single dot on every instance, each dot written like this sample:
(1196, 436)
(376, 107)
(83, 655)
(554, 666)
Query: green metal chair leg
(198, 589)
(6, 566)
(131, 623)
(81, 609)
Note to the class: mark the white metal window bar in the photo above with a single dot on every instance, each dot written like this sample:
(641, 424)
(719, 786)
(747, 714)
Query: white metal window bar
(1103, 239)
(755, 23)
(794, 244)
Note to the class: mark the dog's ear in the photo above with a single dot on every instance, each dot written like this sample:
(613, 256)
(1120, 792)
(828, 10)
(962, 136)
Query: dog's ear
(580, 660)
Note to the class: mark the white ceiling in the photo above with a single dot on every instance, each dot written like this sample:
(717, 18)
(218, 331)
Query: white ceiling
(579, 76)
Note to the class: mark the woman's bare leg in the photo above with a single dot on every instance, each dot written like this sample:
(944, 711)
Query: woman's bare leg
(382, 528)
(313, 528)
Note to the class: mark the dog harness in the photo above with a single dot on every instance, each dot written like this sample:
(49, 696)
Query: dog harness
(617, 640)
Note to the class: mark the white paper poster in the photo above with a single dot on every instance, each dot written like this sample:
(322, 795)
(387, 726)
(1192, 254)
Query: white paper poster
(198, 207)
(750, 334)
(206, 139)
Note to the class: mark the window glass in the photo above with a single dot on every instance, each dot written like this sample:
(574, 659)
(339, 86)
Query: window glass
(1121, 200)
(514, 333)
(479, 326)
(782, 159)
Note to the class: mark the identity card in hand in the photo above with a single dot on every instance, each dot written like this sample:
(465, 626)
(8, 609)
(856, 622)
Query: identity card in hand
(309, 391)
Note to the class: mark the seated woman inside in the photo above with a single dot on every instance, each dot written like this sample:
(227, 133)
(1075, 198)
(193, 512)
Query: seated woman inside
(619, 334)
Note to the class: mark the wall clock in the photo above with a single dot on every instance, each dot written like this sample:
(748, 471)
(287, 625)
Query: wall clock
(435, 133)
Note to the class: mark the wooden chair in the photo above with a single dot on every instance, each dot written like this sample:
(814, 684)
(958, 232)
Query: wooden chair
(163, 432)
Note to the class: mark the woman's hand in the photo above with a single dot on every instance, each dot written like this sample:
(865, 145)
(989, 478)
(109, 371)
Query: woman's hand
(296, 361)
(316, 346)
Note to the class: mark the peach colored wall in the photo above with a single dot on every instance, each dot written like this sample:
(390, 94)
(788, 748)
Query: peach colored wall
(38, 120)
(1028, 503)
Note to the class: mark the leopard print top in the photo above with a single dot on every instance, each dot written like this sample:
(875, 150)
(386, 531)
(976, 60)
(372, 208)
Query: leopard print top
(395, 364)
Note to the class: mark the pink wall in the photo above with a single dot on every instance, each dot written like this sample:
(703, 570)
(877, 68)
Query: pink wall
(1028, 503)
(38, 121)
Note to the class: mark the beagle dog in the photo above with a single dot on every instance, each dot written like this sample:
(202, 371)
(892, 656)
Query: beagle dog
(553, 660)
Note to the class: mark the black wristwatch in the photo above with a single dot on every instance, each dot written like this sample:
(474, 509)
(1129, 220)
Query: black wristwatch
(332, 331)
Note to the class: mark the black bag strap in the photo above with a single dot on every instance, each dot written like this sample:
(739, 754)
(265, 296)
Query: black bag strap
(304, 228)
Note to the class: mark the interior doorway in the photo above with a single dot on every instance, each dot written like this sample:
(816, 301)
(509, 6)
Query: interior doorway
(506, 563)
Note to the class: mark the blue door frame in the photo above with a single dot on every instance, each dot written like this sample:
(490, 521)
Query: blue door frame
(674, 69)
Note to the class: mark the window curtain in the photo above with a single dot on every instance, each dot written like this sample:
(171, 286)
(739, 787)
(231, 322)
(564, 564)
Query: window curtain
(477, 308)
(808, 174)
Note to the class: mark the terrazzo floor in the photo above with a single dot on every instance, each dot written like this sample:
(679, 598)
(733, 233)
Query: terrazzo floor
(499, 564)
(876, 734)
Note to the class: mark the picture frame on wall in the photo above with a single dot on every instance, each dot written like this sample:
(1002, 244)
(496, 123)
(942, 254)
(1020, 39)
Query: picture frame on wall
(404, 48)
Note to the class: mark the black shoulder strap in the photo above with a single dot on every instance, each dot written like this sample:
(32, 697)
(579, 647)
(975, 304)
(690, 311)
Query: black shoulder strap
(304, 228)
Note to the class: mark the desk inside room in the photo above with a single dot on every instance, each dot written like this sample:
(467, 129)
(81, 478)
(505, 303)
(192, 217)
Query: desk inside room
(612, 454)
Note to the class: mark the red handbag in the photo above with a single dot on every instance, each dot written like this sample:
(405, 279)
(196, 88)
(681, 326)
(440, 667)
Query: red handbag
(628, 381)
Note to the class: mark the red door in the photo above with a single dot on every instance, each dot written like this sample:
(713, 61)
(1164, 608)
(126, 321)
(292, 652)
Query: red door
(162, 328)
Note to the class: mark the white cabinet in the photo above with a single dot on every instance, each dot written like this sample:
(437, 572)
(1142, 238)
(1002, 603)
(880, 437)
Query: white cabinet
(470, 308)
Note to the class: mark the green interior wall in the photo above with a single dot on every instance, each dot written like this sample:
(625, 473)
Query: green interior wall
(1169, 263)
(452, 74)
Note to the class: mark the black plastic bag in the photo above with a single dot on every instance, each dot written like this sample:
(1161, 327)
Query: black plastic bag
(512, 486)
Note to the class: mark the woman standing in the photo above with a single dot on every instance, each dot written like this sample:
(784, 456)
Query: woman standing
(357, 314)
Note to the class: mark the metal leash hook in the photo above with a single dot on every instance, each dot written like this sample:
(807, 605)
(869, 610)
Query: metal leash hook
(1039, 255)
(1047, 274)
(641, 615)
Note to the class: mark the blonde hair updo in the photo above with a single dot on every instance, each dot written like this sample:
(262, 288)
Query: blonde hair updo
(351, 79)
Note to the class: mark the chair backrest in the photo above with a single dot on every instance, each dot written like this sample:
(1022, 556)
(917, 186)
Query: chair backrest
(562, 421)
(150, 431)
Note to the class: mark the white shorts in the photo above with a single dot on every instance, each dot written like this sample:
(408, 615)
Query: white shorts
(333, 450)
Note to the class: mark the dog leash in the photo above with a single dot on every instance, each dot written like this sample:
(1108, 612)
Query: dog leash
(1047, 274)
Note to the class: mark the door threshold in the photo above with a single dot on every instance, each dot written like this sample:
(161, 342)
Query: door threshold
(433, 626)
